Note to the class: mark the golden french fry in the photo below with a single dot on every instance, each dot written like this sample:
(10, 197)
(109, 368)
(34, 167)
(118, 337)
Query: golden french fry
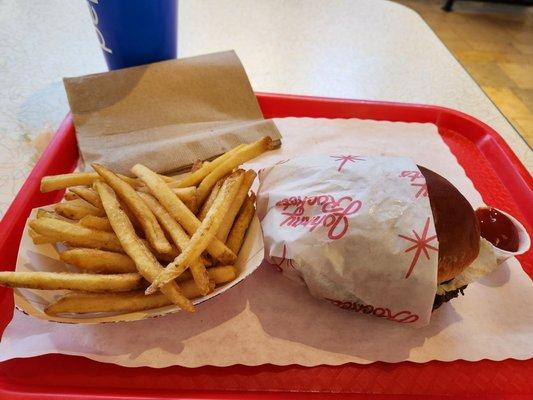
(56, 182)
(37, 238)
(179, 211)
(183, 193)
(238, 231)
(240, 156)
(240, 198)
(145, 261)
(204, 234)
(196, 177)
(71, 281)
(83, 303)
(196, 165)
(220, 274)
(77, 209)
(180, 238)
(71, 196)
(100, 223)
(210, 200)
(74, 234)
(163, 257)
(146, 218)
(48, 214)
(98, 261)
(87, 194)
(187, 195)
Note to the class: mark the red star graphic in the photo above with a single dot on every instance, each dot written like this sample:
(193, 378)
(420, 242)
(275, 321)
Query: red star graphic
(345, 159)
(421, 245)
(423, 190)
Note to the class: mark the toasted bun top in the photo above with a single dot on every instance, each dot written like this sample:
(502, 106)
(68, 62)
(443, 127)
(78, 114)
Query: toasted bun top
(456, 225)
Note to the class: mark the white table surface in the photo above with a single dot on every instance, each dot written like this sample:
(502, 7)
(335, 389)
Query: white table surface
(360, 49)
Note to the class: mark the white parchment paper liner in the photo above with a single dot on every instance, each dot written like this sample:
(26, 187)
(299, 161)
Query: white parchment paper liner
(269, 319)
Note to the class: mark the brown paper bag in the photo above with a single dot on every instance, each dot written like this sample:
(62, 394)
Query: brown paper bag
(166, 114)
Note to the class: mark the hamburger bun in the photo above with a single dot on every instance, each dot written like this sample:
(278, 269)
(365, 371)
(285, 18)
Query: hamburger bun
(456, 225)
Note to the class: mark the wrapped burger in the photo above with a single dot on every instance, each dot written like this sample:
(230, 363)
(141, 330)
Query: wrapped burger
(375, 235)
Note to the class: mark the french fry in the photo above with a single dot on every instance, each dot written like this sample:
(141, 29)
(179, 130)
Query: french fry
(187, 195)
(180, 238)
(204, 234)
(165, 258)
(240, 198)
(74, 234)
(37, 238)
(196, 177)
(99, 223)
(179, 211)
(71, 281)
(196, 165)
(48, 214)
(83, 303)
(240, 156)
(70, 196)
(98, 261)
(57, 182)
(146, 218)
(87, 194)
(210, 200)
(220, 274)
(77, 209)
(238, 231)
(145, 261)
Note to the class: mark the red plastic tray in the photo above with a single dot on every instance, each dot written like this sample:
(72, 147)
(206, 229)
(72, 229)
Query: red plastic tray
(497, 174)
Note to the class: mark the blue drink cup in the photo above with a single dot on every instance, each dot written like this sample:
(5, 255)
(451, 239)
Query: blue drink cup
(135, 32)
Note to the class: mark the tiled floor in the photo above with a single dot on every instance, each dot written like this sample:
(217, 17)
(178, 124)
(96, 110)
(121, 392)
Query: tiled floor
(494, 42)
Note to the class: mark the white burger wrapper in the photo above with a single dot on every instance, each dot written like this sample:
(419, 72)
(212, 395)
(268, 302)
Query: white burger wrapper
(357, 230)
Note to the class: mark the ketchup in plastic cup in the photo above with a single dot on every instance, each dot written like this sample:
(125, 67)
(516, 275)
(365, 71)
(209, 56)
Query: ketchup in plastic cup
(507, 235)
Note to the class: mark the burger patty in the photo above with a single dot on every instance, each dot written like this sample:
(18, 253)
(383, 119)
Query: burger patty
(440, 299)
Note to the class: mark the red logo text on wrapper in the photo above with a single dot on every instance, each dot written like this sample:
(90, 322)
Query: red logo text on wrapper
(405, 316)
(333, 213)
(417, 180)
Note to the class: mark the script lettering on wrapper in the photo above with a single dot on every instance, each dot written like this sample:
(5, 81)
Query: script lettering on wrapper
(405, 316)
(417, 180)
(333, 213)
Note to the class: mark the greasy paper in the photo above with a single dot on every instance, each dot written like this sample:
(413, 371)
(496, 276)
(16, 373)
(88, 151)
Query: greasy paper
(358, 231)
(166, 114)
(269, 319)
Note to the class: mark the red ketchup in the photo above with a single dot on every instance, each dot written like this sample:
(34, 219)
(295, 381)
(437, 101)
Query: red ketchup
(497, 228)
